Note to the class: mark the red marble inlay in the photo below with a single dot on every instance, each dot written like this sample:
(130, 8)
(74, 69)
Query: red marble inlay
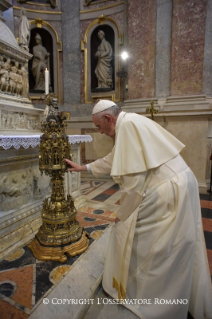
(110, 191)
(207, 224)
(141, 35)
(23, 278)
(105, 216)
(118, 202)
(209, 253)
(84, 223)
(206, 204)
(188, 33)
(8, 311)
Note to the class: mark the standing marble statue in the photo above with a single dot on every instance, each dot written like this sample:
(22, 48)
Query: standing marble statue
(40, 63)
(24, 31)
(103, 69)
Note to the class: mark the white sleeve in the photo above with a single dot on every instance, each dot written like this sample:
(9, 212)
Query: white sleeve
(132, 189)
(88, 167)
(103, 165)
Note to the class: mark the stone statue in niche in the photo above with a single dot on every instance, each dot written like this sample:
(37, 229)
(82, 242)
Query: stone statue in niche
(103, 69)
(24, 31)
(40, 63)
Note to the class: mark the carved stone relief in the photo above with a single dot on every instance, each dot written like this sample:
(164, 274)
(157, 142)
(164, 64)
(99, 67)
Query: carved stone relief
(13, 77)
(19, 121)
(21, 187)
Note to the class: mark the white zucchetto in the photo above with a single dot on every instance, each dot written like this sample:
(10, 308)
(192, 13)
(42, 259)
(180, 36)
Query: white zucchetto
(102, 105)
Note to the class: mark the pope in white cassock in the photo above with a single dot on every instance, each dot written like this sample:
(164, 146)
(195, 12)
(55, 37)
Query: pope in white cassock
(156, 249)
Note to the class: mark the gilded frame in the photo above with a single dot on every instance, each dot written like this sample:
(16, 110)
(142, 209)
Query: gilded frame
(115, 94)
(39, 23)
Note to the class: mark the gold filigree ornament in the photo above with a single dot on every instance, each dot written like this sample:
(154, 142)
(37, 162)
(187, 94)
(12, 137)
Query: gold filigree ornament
(60, 233)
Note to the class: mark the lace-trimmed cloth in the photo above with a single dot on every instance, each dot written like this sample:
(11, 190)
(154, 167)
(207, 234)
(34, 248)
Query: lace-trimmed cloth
(8, 141)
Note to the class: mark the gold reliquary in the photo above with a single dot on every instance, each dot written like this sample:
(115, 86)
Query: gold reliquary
(60, 233)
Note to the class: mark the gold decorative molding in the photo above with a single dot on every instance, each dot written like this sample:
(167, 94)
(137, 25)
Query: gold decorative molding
(101, 20)
(96, 2)
(103, 8)
(99, 97)
(39, 22)
(58, 253)
(38, 4)
(38, 11)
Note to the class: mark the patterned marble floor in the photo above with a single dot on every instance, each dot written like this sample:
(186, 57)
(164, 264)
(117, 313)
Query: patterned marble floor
(25, 281)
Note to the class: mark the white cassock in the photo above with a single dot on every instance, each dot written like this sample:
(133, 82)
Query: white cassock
(156, 257)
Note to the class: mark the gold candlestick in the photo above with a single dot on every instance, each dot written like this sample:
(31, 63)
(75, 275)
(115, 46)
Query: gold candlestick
(152, 110)
(60, 233)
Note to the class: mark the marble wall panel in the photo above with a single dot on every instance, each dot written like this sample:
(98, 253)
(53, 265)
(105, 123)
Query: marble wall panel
(188, 31)
(192, 131)
(100, 146)
(141, 43)
(71, 50)
(207, 67)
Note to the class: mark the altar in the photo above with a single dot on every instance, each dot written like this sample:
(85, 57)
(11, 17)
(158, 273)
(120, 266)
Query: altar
(22, 188)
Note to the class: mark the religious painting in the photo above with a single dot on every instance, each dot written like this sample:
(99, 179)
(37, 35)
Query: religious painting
(102, 59)
(41, 46)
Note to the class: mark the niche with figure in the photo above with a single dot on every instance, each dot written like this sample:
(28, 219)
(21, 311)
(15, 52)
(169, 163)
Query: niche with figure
(41, 46)
(102, 59)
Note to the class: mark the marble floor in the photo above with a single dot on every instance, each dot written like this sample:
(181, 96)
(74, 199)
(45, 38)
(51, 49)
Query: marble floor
(25, 281)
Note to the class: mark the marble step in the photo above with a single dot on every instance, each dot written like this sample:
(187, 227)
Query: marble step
(102, 309)
(74, 294)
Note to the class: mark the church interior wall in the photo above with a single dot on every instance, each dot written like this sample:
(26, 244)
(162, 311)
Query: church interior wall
(53, 17)
(141, 47)
(169, 46)
(191, 131)
(187, 48)
(163, 62)
(166, 59)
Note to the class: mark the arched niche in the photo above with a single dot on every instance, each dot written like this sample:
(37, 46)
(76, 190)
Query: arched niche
(47, 43)
(52, 44)
(90, 45)
(94, 44)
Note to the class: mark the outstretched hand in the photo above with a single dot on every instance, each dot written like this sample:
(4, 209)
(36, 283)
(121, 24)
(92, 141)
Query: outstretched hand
(75, 167)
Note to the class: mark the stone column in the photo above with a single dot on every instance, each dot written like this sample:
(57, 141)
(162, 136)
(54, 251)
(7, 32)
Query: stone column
(71, 50)
(163, 47)
(207, 64)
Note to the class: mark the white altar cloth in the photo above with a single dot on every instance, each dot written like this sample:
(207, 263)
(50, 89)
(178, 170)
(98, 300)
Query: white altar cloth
(16, 141)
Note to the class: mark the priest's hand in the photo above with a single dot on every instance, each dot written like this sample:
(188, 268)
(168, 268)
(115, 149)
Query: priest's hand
(116, 220)
(75, 167)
